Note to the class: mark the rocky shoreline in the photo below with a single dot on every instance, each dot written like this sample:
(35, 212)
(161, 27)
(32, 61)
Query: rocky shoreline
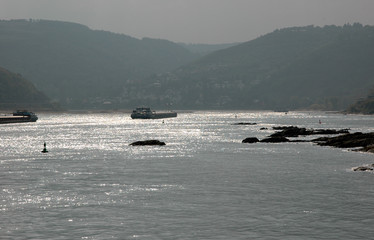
(357, 141)
(362, 141)
(293, 131)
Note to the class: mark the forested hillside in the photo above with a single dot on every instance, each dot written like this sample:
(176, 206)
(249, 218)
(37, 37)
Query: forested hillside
(80, 67)
(205, 49)
(364, 105)
(18, 93)
(293, 68)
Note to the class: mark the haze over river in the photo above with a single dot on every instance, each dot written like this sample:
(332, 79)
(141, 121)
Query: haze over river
(204, 184)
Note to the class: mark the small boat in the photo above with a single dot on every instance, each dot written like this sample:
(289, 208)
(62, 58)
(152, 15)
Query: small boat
(147, 113)
(19, 116)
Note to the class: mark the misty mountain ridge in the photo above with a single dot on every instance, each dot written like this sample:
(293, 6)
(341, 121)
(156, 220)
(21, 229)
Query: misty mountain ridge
(19, 93)
(363, 105)
(74, 64)
(292, 68)
(205, 49)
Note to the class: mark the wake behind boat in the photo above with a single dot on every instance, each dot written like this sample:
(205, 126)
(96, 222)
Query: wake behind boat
(147, 113)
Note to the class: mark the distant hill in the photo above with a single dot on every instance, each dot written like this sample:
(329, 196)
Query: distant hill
(81, 67)
(293, 68)
(364, 105)
(18, 93)
(205, 49)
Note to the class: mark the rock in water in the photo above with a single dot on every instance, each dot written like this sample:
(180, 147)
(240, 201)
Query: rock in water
(292, 131)
(275, 140)
(148, 142)
(363, 169)
(244, 123)
(351, 140)
(250, 140)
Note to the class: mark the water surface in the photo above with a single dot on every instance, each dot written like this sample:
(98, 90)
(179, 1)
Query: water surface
(204, 184)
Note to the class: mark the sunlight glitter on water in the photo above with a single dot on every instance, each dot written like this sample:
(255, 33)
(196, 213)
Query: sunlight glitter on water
(93, 185)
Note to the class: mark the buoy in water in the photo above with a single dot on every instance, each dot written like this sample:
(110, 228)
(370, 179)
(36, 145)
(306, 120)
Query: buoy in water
(45, 148)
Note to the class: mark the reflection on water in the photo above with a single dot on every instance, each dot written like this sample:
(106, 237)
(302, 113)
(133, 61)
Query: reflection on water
(204, 184)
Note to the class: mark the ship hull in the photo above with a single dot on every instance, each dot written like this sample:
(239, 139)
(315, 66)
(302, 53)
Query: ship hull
(19, 117)
(4, 120)
(154, 115)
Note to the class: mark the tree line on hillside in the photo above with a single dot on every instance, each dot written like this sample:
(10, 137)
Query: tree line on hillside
(363, 105)
(293, 68)
(19, 93)
(78, 66)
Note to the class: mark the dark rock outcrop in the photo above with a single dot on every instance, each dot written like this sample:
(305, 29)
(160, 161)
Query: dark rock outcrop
(293, 131)
(244, 123)
(148, 142)
(290, 131)
(369, 148)
(351, 140)
(275, 139)
(364, 168)
(360, 141)
(250, 140)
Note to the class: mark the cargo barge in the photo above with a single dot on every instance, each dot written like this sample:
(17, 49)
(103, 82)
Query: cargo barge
(147, 113)
(19, 117)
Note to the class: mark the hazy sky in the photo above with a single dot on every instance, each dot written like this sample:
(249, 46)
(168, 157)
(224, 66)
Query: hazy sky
(193, 21)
